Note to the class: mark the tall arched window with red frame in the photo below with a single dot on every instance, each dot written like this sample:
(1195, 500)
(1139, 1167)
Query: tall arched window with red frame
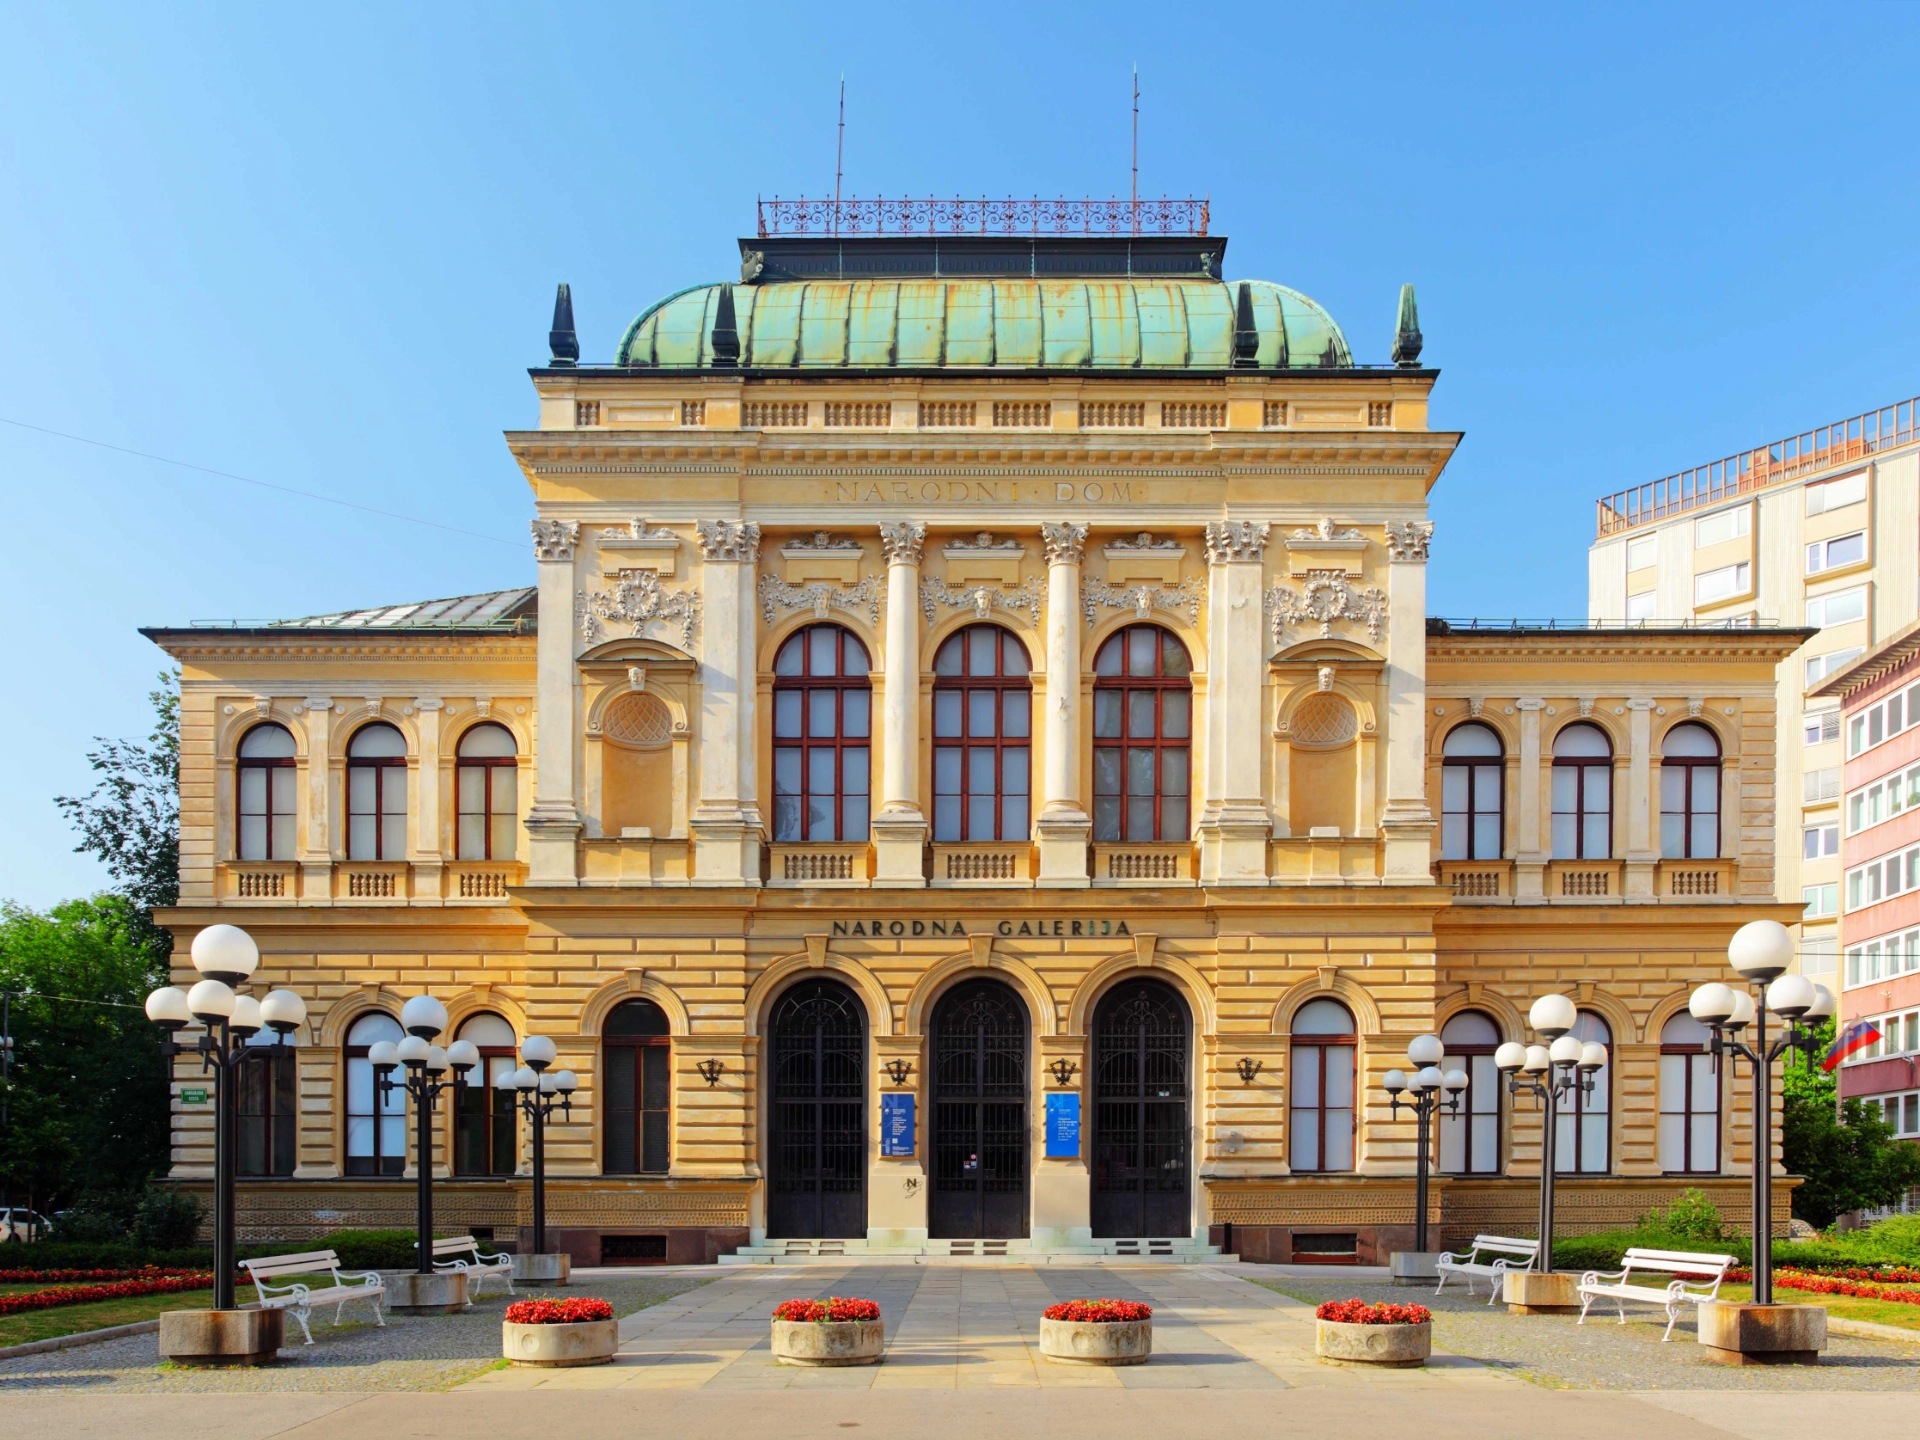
(377, 793)
(822, 737)
(486, 778)
(982, 736)
(263, 819)
(1142, 737)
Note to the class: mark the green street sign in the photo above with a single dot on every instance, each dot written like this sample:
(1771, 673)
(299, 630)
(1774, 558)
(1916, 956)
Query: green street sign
(193, 1097)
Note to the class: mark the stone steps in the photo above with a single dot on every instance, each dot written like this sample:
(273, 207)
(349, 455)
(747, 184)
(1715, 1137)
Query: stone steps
(976, 1252)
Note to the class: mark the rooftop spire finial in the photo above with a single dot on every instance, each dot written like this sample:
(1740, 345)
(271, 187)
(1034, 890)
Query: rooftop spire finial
(1407, 339)
(561, 339)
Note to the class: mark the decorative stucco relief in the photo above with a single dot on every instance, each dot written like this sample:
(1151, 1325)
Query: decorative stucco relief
(1022, 599)
(1323, 598)
(1065, 542)
(1143, 600)
(1236, 540)
(637, 597)
(554, 539)
(903, 542)
(776, 595)
(1409, 539)
(737, 541)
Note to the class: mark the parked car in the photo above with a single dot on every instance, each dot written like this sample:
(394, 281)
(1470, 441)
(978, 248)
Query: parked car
(23, 1224)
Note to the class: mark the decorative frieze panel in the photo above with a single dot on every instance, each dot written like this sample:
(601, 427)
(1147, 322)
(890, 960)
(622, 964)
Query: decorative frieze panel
(634, 546)
(1135, 558)
(984, 558)
(1326, 546)
(1142, 600)
(863, 598)
(637, 597)
(1323, 598)
(983, 600)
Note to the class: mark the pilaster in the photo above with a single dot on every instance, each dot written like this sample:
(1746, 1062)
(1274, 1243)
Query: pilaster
(1530, 858)
(1063, 827)
(316, 853)
(553, 822)
(900, 829)
(1406, 822)
(726, 822)
(1235, 824)
(1641, 858)
(429, 856)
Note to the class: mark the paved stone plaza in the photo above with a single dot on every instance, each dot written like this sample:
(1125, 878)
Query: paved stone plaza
(697, 1343)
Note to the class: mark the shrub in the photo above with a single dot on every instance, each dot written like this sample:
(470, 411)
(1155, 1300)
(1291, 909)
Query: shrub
(1359, 1312)
(558, 1312)
(103, 1217)
(833, 1310)
(167, 1219)
(1691, 1215)
(364, 1249)
(1099, 1312)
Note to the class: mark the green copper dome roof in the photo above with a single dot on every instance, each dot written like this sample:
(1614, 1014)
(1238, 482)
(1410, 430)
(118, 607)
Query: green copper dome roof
(1023, 324)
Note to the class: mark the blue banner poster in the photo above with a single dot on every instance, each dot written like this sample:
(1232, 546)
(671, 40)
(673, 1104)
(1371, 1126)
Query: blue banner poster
(1063, 1126)
(896, 1124)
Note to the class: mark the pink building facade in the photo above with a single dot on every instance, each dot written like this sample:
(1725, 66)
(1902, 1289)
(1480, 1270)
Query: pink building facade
(1880, 878)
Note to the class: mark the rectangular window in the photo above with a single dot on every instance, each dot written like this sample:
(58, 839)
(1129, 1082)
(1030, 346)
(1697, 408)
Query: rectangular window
(1820, 899)
(1819, 841)
(1819, 785)
(1842, 550)
(1838, 608)
(1822, 726)
(1641, 606)
(267, 1099)
(1819, 667)
(1721, 525)
(1819, 954)
(1721, 584)
(1847, 490)
(1642, 552)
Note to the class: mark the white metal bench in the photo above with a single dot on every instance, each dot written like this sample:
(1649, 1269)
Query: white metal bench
(1507, 1255)
(298, 1298)
(1707, 1271)
(478, 1268)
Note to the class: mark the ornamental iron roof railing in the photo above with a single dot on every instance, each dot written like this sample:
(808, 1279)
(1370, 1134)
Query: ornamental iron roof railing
(1804, 454)
(982, 217)
(1495, 625)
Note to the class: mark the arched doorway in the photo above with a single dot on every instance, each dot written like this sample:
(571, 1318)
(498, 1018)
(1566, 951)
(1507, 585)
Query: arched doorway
(817, 1122)
(1140, 1130)
(979, 1114)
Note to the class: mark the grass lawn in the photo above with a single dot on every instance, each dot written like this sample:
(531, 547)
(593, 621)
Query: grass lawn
(1840, 1307)
(72, 1319)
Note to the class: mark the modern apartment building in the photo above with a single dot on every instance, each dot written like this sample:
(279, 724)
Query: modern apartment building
(1818, 529)
(1879, 697)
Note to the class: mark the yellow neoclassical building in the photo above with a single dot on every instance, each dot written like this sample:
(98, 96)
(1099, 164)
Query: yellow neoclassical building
(974, 773)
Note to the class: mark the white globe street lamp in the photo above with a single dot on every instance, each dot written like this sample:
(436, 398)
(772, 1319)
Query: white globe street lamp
(1422, 1092)
(426, 1079)
(540, 1094)
(1550, 1073)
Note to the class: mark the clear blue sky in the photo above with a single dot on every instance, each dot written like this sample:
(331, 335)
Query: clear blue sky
(318, 245)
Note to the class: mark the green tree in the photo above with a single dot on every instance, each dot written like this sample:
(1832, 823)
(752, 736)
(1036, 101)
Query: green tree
(1846, 1151)
(130, 820)
(89, 1089)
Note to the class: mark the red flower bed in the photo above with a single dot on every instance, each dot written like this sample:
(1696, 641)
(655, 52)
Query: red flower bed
(558, 1312)
(1099, 1312)
(119, 1290)
(835, 1309)
(1359, 1312)
(1813, 1284)
(69, 1277)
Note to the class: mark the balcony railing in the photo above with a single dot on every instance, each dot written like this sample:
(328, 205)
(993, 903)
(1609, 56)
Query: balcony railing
(982, 217)
(1789, 459)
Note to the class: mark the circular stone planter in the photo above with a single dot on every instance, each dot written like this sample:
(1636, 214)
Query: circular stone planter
(586, 1342)
(831, 1342)
(1096, 1342)
(1401, 1345)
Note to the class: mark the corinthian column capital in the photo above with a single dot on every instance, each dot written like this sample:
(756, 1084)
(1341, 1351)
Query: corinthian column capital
(1065, 542)
(735, 540)
(903, 542)
(1229, 540)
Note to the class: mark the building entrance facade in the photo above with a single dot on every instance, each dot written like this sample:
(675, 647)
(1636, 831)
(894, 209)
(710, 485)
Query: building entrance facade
(1141, 1050)
(816, 1126)
(979, 1141)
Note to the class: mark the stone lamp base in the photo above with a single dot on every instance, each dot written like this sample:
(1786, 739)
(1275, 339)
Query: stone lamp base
(554, 1269)
(1415, 1267)
(411, 1293)
(221, 1337)
(1741, 1333)
(1528, 1293)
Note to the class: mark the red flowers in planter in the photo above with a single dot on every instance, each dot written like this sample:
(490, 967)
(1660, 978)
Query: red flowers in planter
(1359, 1312)
(558, 1312)
(834, 1309)
(1099, 1312)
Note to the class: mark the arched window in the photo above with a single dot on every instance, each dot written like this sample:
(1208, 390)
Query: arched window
(822, 729)
(982, 736)
(638, 1057)
(268, 1101)
(264, 817)
(486, 779)
(377, 794)
(376, 1128)
(484, 1135)
(1689, 1099)
(1142, 736)
(1472, 794)
(1583, 1143)
(1582, 794)
(1690, 794)
(1320, 1117)
(1470, 1140)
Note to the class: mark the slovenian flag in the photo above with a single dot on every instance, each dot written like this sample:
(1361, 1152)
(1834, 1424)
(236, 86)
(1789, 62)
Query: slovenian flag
(1856, 1036)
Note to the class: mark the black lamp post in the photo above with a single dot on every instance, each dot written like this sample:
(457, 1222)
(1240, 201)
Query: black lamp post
(1760, 953)
(422, 1017)
(1427, 1084)
(539, 1095)
(1550, 1073)
(226, 958)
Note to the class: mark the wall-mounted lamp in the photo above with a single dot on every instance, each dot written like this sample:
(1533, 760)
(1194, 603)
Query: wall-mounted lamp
(1249, 1068)
(1063, 1072)
(899, 1070)
(711, 1071)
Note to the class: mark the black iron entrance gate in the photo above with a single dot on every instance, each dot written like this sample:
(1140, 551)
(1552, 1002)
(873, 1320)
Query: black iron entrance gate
(817, 1131)
(979, 1115)
(1140, 1112)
